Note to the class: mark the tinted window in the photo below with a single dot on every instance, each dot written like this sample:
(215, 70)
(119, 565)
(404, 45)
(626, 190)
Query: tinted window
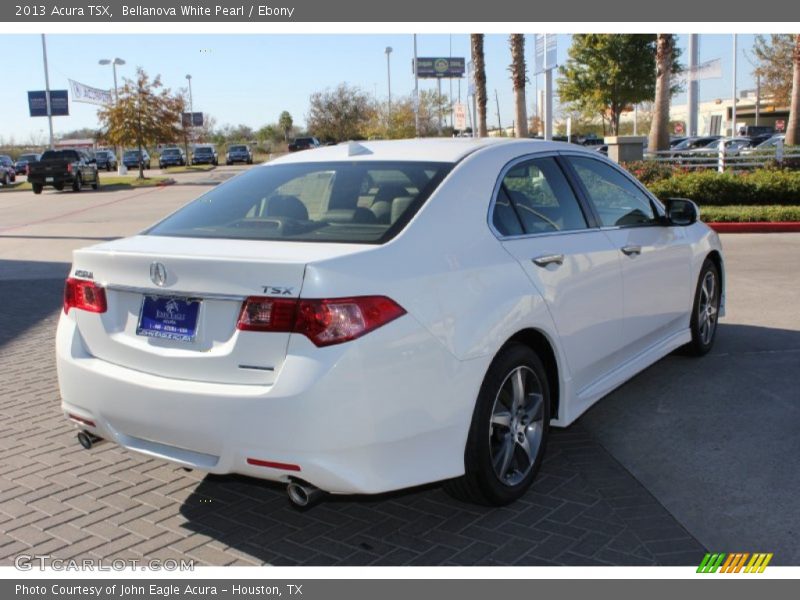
(618, 201)
(170, 151)
(238, 148)
(347, 202)
(70, 155)
(535, 197)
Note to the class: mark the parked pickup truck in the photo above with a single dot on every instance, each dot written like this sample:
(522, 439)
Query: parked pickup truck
(62, 168)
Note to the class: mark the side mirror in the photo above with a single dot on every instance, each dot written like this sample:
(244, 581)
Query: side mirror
(681, 212)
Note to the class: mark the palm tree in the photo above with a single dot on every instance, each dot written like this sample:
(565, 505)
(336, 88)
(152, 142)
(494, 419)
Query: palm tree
(518, 77)
(286, 123)
(476, 42)
(793, 130)
(659, 130)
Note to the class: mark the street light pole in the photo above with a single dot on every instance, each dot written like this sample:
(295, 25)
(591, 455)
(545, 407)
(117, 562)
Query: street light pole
(47, 91)
(191, 104)
(389, 83)
(114, 63)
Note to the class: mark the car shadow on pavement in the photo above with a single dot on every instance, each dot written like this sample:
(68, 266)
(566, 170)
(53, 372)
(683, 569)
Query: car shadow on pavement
(31, 292)
(584, 509)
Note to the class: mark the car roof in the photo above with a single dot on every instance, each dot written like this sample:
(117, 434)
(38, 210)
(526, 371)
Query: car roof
(447, 150)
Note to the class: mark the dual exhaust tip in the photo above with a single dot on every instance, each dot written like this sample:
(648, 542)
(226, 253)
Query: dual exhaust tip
(301, 494)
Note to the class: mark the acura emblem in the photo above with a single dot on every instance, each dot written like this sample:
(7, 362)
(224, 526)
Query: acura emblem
(158, 274)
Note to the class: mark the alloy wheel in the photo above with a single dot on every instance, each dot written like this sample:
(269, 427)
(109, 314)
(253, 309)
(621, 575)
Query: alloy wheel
(708, 308)
(517, 426)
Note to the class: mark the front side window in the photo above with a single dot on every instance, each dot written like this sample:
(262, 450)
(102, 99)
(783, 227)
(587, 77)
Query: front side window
(617, 200)
(535, 197)
(346, 202)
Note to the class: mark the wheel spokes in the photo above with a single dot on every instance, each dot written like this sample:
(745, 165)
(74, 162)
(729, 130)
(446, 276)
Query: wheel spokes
(502, 459)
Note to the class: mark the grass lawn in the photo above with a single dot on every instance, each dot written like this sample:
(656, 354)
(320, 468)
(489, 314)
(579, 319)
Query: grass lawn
(106, 181)
(189, 169)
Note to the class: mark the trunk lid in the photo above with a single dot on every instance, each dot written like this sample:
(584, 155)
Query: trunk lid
(218, 273)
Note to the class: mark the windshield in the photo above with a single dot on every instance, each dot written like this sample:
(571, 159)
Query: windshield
(60, 155)
(202, 151)
(238, 149)
(29, 157)
(345, 202)
(170, 152)
(132, 153)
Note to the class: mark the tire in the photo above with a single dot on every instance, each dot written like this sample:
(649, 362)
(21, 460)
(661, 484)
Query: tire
(6, 180)
(37, 188)
(96, 182)
(498, 467)
(108, 167)
(77, 185)
(705, 310)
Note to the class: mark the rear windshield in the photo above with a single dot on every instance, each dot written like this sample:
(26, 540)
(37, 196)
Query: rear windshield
(60, 155)
(345, 202)
(29, 157)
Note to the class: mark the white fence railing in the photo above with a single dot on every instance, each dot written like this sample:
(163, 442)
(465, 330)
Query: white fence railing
(726, 160)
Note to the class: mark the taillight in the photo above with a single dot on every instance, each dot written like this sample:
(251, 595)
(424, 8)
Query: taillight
(84, 295)
(325, 322)
(69, 167)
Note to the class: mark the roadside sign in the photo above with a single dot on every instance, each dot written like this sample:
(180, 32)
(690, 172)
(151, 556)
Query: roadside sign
(192, 119)
(679, 128)
(439, 68)
(460, 116)
(544, 52)
(780, 125)
(59, 103)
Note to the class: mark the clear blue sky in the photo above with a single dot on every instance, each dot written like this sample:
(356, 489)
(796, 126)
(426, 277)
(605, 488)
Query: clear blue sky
(250, 79)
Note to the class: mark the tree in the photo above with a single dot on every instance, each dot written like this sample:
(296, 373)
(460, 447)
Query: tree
(401, 121)
(286, 123)
(146, 113)
(479, 71)
(793, 129)
(519, 79)
(608, 73)
(659, 131)
(339, 114)
(773, 55)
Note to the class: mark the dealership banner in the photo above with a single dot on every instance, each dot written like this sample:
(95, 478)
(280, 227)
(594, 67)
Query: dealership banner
(59, 103)
(89, 95)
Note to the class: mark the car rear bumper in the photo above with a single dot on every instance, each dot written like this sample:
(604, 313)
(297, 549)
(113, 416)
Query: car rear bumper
(350, 417)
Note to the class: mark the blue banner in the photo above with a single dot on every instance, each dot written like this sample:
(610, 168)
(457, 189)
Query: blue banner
(59, 103)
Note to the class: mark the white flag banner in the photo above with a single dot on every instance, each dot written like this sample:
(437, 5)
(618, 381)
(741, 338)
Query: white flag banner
(710, 69)
(89, 95)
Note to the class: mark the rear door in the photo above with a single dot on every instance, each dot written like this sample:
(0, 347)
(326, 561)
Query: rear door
(573, 265)
(656, 265)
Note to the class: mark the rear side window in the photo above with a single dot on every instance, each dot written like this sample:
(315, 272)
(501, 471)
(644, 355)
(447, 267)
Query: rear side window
(346, 202)
(617, 200)
(535, 197)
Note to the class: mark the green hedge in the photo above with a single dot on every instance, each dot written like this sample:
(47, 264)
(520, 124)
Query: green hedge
(749, 214)
(760, 187)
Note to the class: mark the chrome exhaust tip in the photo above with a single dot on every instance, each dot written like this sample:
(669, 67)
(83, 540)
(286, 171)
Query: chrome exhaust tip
(303, 495)
(88, 440)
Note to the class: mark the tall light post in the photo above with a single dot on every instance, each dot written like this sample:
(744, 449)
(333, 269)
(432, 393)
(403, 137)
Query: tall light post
(117, 61)
(388, 52)
(191, 105)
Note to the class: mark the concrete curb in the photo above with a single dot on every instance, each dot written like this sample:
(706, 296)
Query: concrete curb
(756, 227)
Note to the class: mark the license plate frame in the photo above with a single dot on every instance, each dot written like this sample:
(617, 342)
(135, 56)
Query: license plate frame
(169, 317)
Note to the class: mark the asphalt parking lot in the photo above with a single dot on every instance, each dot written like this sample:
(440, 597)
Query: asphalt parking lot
(688, 456)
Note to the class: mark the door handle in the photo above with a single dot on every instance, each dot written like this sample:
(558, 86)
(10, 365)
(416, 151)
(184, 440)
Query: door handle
(631, 250)
(547, 259)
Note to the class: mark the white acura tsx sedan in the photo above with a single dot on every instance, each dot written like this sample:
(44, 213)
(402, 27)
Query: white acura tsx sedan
(377, 315)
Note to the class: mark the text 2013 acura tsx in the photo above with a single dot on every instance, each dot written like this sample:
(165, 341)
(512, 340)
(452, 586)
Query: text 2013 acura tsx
(372, 316)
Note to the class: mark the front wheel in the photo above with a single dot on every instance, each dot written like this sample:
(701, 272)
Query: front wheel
(6, 179)
(37, 188)
(705, 311)
(509, 429)
(96, 182)
(77, 185)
